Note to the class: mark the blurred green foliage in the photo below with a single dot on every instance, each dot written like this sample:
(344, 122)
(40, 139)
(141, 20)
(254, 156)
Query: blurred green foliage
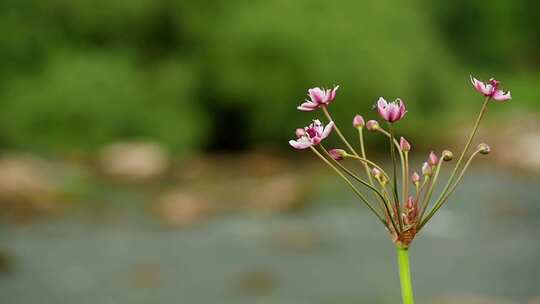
(77, 74)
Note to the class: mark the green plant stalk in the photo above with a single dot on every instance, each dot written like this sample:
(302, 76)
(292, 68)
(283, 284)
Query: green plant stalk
(442, 199)
(355, 177)
(467, 145)
(405, 275)
(353, 188)
(394, 165)
(351, 174)
(338, 131)
(363, 153)
(429, 192)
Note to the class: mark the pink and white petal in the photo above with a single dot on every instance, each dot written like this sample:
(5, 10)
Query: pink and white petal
(305, 109)
(481, 87)
(382, 108)
(309, 104)
(327, 130)
(402, 109)
(381, 102)
(488, 90)
(316, 95)
(394, 112)
(318, 126)
(300, 144)
(332, 94)
(499, 95)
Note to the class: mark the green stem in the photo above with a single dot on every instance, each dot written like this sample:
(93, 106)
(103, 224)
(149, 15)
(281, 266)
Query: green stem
(363, 153)
(405, 275)
(394, 165)
(467, 145)
(444, 196)
(353, 188)
(338, 131)
(351, 174)
(429, 192)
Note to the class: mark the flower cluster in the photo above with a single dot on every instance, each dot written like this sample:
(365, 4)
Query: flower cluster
(311, 135)
(405, 207)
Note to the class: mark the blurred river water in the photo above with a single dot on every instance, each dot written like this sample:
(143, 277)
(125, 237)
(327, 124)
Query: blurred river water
(483, 247)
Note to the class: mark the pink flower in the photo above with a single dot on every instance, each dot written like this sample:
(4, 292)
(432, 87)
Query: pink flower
(411, 211)
(372, 125)
(404, 145)
(337, 154)
(391, 111)
(312, 136)
(491, 89)
(318, 97)
(415, 178)
(426, 169)
(358, 121)
(433, 159)
(376, 173)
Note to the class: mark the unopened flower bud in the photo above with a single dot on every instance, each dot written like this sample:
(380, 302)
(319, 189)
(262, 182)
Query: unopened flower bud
(447, 155)
(358, 121)
(300, 132)
(404, 145)
(337, 154)
(484, 148)
(433, 159)
(376, 172)
(415, 178)
(426, 169)
(372, 125)
(410, 203)
(379, 176)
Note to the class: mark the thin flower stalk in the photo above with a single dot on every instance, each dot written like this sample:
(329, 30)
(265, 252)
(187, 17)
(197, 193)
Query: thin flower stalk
(358, 193)
(338, 131)
(363, 153)
(429, 191)
(444, 196)
(351, 174)
(483, 111)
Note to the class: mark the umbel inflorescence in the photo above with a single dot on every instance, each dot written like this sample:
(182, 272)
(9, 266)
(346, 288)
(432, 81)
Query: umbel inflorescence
(406, 206)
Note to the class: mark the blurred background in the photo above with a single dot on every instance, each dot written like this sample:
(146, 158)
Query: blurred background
(144, 151)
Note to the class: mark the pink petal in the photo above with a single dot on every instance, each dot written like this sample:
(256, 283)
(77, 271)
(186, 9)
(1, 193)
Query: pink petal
(308, 106)
(332, 94)
(300, 144)
(327, 130)
(316, 95)
(499, 95)
(382, 108)
(402, 108)
(381, 102)
(305, 109)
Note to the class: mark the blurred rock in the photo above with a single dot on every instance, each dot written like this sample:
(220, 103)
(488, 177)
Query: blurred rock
(262, 163)
(6, 262)
(297, 240)
(182, 209)
(258, 282)
(146, 276)
(534, 301)
(26, 189)
(277, 194)
(137, 161)
(518, 145)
